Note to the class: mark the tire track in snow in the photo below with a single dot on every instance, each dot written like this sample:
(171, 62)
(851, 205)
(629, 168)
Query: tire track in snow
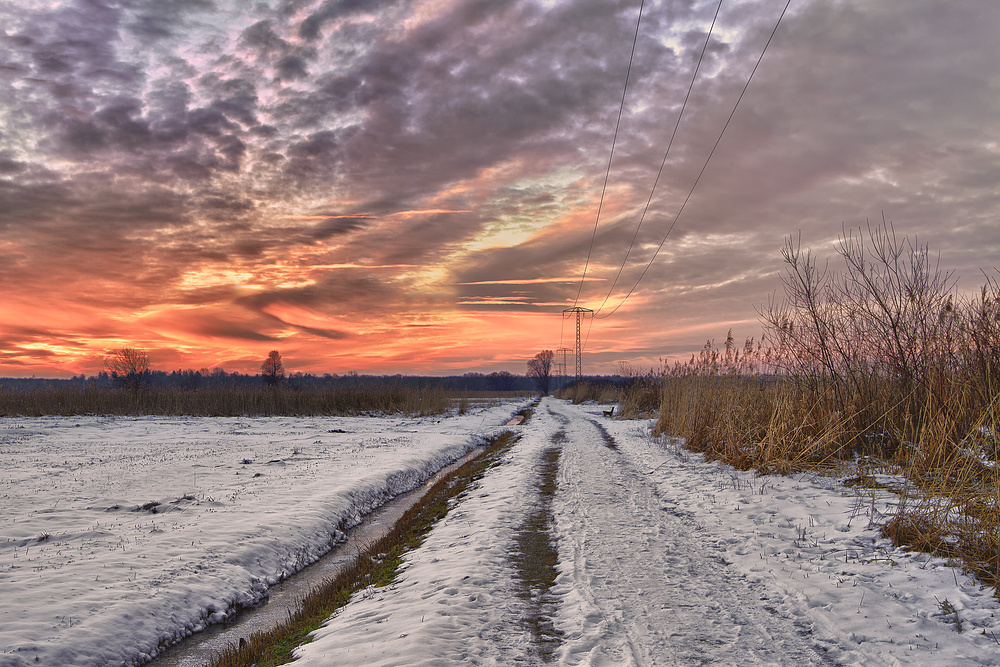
(536, 557)
(637, 586)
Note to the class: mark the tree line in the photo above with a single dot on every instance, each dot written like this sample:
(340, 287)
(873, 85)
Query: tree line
(217, 378)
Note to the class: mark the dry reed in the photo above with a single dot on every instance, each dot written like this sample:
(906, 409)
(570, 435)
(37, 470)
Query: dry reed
(389, 398)
(883, 364)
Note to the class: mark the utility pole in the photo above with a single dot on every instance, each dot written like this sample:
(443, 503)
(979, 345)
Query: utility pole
(580, 314)
(561, 366)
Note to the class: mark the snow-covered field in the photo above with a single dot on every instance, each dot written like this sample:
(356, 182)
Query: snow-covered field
(119, 534)
(663, 559)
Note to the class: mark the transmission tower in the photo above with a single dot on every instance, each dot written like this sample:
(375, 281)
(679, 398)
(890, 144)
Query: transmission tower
(580, 314)
(561, 365)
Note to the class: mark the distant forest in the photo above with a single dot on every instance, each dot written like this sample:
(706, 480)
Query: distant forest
(192, 380)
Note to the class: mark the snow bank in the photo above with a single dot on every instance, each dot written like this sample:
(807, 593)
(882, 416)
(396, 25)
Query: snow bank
(455, 600)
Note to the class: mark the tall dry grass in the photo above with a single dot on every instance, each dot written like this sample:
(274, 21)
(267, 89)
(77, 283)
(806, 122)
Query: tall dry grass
(376, 398)
(637, 397)
(882, 361)
(585, 390)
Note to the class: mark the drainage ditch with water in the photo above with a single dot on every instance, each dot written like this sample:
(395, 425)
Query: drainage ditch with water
(285, 597)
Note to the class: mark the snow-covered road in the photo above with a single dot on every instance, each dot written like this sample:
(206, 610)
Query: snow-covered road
(650, 591)
(663, 559)
(636, 586)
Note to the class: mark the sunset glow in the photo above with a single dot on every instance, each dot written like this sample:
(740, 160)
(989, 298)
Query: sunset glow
(403, 187)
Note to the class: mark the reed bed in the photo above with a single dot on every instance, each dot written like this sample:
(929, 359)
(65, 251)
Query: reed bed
(376, 398)
(637, 397)
(490, 395)
(585, 390)
(882, 366)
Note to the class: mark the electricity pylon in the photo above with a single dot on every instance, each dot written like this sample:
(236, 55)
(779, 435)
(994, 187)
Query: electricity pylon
(561, 365)
(580, 314)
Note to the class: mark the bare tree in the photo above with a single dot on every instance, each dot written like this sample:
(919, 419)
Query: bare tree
(272, 370)
(128, 367)
(540, 370)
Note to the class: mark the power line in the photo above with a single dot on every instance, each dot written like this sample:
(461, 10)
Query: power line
(694, 76)
(614, 141)
(704, 167)
(587, 337)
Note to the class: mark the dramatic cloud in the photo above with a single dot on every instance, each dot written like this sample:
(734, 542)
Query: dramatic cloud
(395, 186)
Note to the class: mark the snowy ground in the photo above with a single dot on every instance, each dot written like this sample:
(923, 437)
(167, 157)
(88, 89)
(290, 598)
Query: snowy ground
(92, 572)
(663, 560)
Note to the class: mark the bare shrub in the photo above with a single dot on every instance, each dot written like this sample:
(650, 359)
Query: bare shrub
(879, 341)
(882, 360)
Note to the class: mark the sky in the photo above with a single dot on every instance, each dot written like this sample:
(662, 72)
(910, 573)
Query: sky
(423, 186)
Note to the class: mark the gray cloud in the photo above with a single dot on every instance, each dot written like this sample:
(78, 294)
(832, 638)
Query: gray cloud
(183, 136)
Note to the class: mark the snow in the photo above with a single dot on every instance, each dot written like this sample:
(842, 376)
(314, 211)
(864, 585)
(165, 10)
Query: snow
(662, 558)
(89, 577)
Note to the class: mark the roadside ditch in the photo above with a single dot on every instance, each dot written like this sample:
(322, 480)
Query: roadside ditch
(266, 635)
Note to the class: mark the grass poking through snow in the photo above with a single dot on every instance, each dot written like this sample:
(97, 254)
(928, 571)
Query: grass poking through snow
(536, 558)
